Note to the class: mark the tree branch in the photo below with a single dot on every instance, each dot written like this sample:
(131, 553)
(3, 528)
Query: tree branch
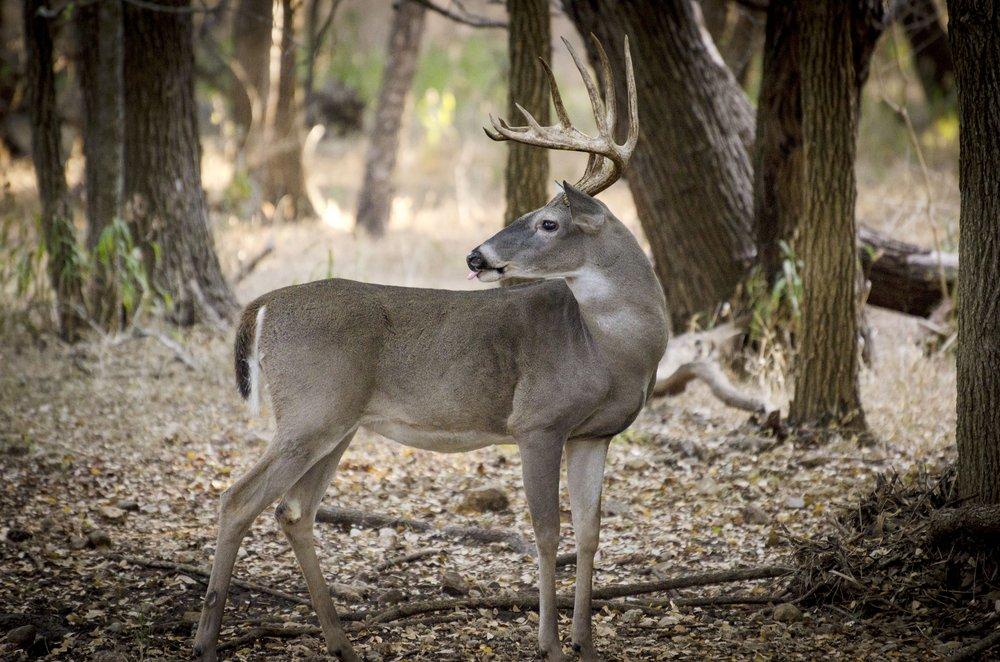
(461, 15)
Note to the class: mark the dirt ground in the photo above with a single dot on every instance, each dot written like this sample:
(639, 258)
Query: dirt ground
(117, 438)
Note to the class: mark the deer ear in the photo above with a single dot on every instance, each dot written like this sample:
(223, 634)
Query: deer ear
(586, 211)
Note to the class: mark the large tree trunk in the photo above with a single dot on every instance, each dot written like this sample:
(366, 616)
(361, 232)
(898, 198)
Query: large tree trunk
(826, 384)
(99, 32)
(778, 148)
(528, 39)
(973, 30)
(929, 49)
(375, 200)
(56, 219)
(281, 168)
(163, 165)
(690, 172)
(251, 30)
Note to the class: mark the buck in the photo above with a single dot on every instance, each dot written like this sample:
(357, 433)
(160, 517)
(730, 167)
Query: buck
(564, 363)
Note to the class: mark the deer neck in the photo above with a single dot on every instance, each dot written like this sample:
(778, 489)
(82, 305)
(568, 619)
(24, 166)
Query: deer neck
(623, 304)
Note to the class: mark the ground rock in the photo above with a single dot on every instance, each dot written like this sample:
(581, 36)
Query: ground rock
(454, 584)
(22, 637)
(486, 499)
(787, 613)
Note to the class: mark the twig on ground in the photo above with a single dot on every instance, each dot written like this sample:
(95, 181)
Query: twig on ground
(464, 534)
(170, 344)
(409, 558)
(981, 646)
(248, 267)
(186, 569)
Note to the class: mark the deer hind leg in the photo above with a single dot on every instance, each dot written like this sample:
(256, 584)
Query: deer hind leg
(585, 477)
(540, 471)
(296, 513)
(284, 462)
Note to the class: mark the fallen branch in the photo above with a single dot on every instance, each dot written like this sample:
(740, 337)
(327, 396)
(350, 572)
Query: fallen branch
(179, 353)
(973, 650)
(248, 267)
(186, 569)
(409, 558)
(711, 601)
(268, 631)
(716, 380)
(474, 534)
(461, 15)
(688, 581)
(968, 521)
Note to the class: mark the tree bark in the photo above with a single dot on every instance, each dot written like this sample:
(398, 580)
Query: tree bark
(973, 29)
(737, 34)
(929, 48)
(281, 170)
(100, 35)
(690, 172)
(826, 385)
(56, 219)
(375, 200)
(528, 39)
(251, 30)
(905, 277)
(163, 165)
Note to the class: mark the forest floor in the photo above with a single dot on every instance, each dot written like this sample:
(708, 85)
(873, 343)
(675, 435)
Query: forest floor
(114, 450)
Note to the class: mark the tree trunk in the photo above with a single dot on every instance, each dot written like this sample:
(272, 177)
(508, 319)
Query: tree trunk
(929, 49)
(826, 385)
(100, 37)
(690, 173)
(316, 31)
(56, 217)
(737, 34)
(528, 39)
(281, 169)
(778, 148)
(973, 30)
(163, 165)
(252, 23)
(375, 199)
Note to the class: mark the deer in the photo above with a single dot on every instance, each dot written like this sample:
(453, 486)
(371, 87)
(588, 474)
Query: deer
(560, 364)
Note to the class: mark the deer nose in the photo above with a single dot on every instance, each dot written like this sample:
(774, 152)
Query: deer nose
(475, 260)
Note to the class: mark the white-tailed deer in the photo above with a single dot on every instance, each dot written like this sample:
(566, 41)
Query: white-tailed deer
(565, 363)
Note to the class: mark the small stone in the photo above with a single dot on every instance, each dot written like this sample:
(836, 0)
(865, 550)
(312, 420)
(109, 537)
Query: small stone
(191, 616)
(22, 637)
(387, 537)
(129, 505)
(787, 613)
(113, 513)
(98, 539)
(77, 542)
(116, 627)
(632, 616)
(346, 591)
(486, 500)
(754, 514)
(454, 584)
(796, 502)
(667, 621)
(391, 597)
(18, 535)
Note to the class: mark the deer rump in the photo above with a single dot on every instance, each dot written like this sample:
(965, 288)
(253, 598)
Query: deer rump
(435, 369)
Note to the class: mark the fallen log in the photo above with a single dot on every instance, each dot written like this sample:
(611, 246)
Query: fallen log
(904, 277)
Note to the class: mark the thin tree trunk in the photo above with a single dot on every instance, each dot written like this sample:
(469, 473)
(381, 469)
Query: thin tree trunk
(737, 34)
(163, 165)
(973, 29)
(100, 35)
(690, 173)
(826, 385)
(282, 175)
(528, 39)
(375, 199)
(929, 49)
(316, 31)
(251, 30)
(56, 216)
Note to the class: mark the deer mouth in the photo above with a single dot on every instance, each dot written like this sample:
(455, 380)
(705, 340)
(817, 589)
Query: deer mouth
(488, 274)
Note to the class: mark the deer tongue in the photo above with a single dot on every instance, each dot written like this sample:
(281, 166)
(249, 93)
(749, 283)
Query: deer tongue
(472, 274)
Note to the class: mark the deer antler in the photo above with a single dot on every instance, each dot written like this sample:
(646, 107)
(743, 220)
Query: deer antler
(607, 158)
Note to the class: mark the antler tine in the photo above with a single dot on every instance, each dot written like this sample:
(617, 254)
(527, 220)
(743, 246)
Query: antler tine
(532, 122)
(556, 97)
(588, 82)
(610, 106)
(633, 105)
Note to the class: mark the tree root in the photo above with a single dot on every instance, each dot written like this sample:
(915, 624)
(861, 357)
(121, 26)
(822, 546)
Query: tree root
(975, 649)
(463, 534)
(976, 522)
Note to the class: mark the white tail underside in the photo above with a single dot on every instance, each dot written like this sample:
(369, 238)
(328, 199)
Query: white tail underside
(254, 364)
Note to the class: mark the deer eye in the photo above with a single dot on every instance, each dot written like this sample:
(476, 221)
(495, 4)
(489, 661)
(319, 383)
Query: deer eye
(550, 226)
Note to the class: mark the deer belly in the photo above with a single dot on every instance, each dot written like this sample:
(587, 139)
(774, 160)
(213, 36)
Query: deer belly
(432, 439)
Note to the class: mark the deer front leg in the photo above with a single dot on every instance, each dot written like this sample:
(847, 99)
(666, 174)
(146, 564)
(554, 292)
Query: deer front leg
(585, 477)
(296, 514)
(540, 457)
